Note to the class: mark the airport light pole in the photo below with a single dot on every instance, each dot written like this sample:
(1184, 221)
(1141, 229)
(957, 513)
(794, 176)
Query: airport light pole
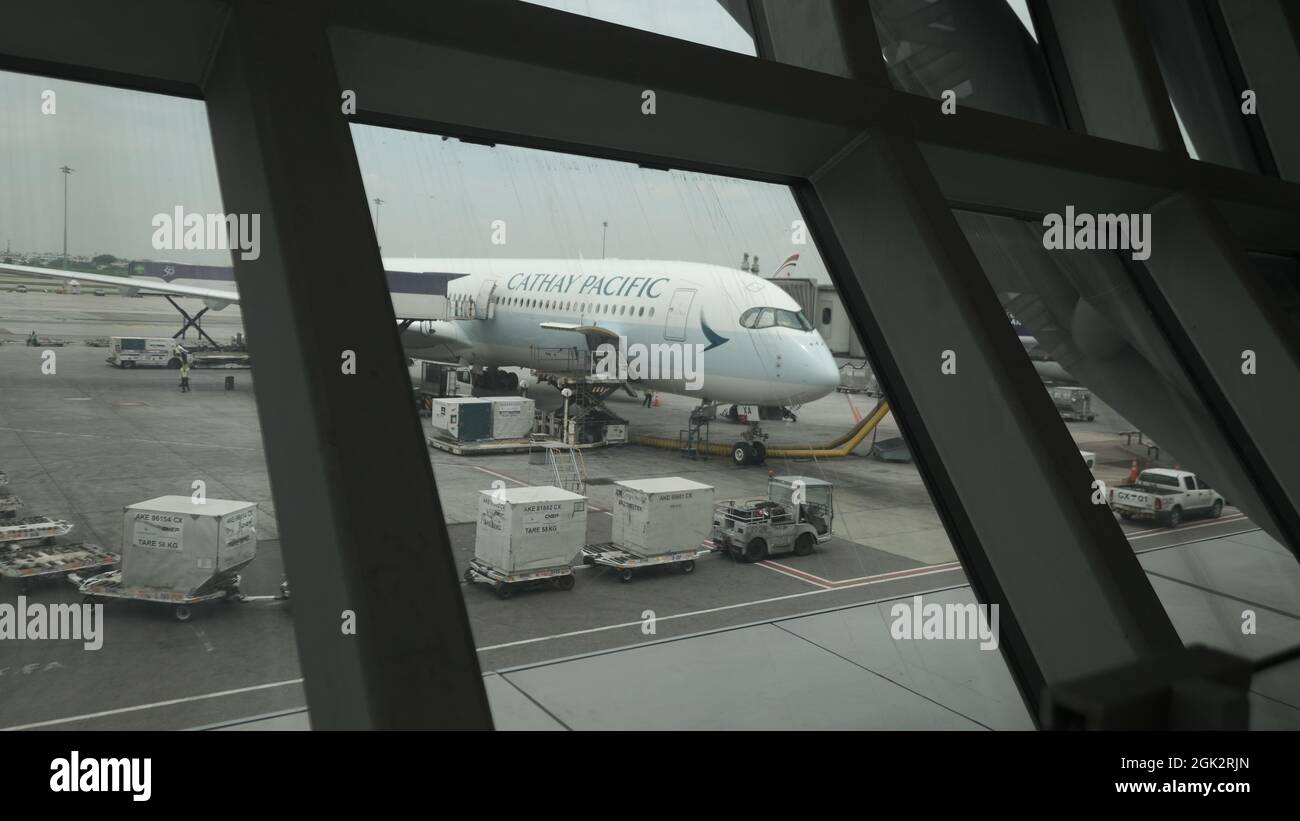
(378, 202)
(603, 227)
(67, 173)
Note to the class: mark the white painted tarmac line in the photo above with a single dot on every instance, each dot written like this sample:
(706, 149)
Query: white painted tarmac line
(777, 567)
(138, 707)
(1158, 531)
(692, 613)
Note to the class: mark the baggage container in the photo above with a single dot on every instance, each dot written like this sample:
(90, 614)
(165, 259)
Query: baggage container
(461, 418)
(173, 543)
(656, 516)
(521, 529)
(512, 417)
(477, 419)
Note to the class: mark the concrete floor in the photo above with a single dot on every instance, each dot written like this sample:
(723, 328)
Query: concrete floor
(83, 442)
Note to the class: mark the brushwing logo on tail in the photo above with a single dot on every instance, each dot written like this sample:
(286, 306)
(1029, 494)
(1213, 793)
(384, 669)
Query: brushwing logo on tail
(714, 338)
(787, 267)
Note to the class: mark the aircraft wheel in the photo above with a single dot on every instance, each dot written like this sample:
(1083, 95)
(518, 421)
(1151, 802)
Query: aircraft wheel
(742, 453)
(760, 453)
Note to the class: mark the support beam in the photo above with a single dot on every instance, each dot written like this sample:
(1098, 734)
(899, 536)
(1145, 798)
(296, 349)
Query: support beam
(1073, 599)
(358, 511)
(1113, 72)
(1218, 313)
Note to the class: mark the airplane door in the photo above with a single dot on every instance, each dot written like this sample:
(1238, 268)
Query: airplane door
(484, 308)
(679, 310)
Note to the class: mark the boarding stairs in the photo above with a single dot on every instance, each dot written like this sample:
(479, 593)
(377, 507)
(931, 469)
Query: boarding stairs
(568, 468)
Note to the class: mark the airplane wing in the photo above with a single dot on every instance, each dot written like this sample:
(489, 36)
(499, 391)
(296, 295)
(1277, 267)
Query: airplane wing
(215, 298)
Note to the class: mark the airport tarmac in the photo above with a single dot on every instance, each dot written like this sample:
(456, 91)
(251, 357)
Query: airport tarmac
(85, 441)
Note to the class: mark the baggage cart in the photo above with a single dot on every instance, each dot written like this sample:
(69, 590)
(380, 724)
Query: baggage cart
(507, 584)
(9, 505)
(628, 563)
(109, 586)
(31, 530)
(29, 565)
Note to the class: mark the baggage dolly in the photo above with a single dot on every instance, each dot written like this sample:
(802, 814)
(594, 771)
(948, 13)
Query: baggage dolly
(109, 586)
(31, 530)
(506, 584)
(29, 565)
(9, 506)
(626, 562)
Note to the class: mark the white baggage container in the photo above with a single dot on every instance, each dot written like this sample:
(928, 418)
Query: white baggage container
(512, 417)
(179, 545)
(476, 419)
(656, 516)
(529, 528)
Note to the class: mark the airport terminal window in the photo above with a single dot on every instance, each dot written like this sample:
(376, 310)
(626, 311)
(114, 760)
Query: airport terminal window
(1156, 450)
(987, 53)
(716, 426)
(111, 459)
(723, 24)
(1194, 65)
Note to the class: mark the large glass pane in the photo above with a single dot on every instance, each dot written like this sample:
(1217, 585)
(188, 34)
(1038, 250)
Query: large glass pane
(986, 53)
(723, 24)
(737, 346)
(107, 199)
(1156, 452)
(1202, 89)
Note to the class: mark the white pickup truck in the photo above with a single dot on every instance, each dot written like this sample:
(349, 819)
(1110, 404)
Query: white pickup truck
(1165, 495)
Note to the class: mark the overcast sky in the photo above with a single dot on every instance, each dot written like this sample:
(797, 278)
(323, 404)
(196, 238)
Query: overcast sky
(137, 155)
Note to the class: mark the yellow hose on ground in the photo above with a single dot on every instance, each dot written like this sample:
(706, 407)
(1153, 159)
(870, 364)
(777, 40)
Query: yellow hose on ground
(842, 445)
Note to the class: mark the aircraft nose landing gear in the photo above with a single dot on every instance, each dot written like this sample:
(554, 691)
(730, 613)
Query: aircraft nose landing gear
(751, 450)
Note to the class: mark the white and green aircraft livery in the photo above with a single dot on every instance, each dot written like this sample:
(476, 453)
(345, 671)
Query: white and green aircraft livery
(705, 331)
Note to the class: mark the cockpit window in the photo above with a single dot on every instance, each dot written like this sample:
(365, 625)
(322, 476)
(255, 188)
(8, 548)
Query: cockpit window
(793, 319)
(773, 317)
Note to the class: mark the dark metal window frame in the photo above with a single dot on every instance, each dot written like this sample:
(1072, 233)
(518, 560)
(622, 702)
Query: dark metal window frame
(503, 71)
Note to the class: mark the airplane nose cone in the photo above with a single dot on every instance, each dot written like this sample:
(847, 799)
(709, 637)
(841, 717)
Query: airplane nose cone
(819, 374)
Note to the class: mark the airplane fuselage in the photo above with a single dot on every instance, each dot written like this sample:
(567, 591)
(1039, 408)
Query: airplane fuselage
(548, 315)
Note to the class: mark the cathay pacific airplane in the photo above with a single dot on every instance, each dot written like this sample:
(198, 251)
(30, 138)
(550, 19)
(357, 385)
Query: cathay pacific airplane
(714, 333)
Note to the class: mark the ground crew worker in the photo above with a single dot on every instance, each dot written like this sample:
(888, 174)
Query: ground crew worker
(649, 397)
(185, 377)
(32, 341)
